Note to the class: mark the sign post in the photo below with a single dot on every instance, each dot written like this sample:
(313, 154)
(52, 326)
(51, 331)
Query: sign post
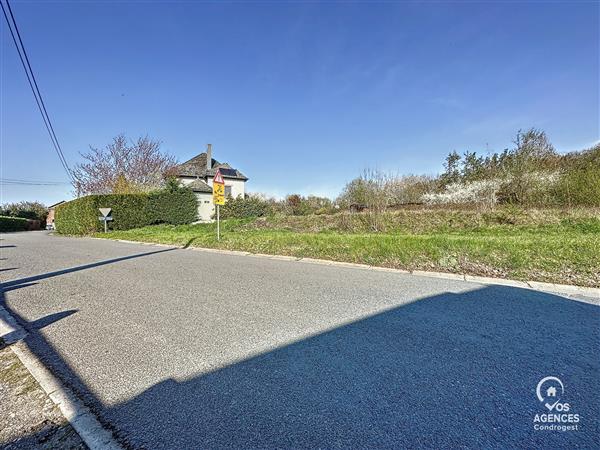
(218, 198)
(105, 217)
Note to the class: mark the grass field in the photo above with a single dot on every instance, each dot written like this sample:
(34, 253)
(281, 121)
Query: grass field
(541, 245)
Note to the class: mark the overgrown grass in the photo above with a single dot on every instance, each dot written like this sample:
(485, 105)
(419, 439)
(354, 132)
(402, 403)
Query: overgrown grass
(550, 245)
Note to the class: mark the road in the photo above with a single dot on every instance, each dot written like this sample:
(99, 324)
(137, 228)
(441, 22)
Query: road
(180, 348)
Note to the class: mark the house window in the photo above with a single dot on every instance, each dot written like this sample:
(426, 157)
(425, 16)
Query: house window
(227, 191)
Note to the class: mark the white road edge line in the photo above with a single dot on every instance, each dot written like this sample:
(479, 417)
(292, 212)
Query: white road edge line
(565, 289)
(83, 421)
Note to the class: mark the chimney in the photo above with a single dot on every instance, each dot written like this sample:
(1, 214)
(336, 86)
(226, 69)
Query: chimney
(208, 156)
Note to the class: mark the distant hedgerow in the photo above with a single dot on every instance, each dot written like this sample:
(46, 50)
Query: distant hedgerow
(12, 224)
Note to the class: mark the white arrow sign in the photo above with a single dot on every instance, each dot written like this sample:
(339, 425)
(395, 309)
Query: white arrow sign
(105, 211)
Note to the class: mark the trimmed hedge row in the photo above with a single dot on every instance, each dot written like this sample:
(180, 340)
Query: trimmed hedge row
(174, 206)
(81, 216)
(12, 224)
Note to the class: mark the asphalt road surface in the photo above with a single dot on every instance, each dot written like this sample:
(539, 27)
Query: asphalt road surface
(177, 348)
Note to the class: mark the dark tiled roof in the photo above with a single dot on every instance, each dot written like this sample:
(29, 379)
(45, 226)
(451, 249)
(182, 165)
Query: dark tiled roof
(199, 186)
(56, 204)
(196, 167)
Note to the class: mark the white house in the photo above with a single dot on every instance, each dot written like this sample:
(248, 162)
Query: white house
(198, 174)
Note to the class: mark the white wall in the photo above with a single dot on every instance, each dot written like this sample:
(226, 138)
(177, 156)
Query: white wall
(238, 187)
(205, 206)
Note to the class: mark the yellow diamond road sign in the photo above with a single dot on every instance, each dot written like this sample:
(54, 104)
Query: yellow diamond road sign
(218, 189)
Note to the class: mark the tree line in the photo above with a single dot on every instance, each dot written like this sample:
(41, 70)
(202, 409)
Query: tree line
(531, 173)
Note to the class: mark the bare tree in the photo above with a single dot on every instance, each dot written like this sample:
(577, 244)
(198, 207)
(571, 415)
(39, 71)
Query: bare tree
(140, 165)
(371, 191)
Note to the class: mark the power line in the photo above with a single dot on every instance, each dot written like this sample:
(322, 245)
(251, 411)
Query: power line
(35, 90)
(13, 181)
(38, 98)
(33, 181)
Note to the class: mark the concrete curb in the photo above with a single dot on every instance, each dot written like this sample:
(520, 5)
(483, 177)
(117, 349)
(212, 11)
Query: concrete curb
(565, 289)
(82, 420)
(10, 331)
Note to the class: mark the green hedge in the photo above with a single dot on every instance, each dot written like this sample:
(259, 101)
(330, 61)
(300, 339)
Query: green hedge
(81, 216)
(12, 224)
(129, 211)
(176, 206)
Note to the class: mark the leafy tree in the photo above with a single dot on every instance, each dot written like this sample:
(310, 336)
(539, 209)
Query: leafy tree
(25, 210)
(473, 167)
(451, 169)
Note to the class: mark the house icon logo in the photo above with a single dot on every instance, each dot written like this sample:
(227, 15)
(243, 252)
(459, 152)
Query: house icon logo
(558, 415)
(549, 390)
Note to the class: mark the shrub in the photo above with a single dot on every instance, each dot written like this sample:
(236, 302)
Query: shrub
(319, 205)
(581, 187)
(579, 183)
(409, 189)
(295, 206)
(240, 208)
(298, 205)
(81, 216)
(371, 191)
(175, 205)
(12, 224)
(476, 192)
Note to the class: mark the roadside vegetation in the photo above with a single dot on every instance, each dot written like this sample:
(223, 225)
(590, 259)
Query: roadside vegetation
(25, 210)
(542, 245)
(173, 205)
(526, 212)
(22, 216)
(8, 224)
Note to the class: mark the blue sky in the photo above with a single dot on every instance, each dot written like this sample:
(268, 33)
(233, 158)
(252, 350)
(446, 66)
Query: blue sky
(300, 96)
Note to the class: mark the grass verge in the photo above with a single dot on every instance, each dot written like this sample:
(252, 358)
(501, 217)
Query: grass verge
(539, 247)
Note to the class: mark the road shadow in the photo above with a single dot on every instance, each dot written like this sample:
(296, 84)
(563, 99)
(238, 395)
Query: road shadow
(447, 371)
(12, 284)
(51, 434)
